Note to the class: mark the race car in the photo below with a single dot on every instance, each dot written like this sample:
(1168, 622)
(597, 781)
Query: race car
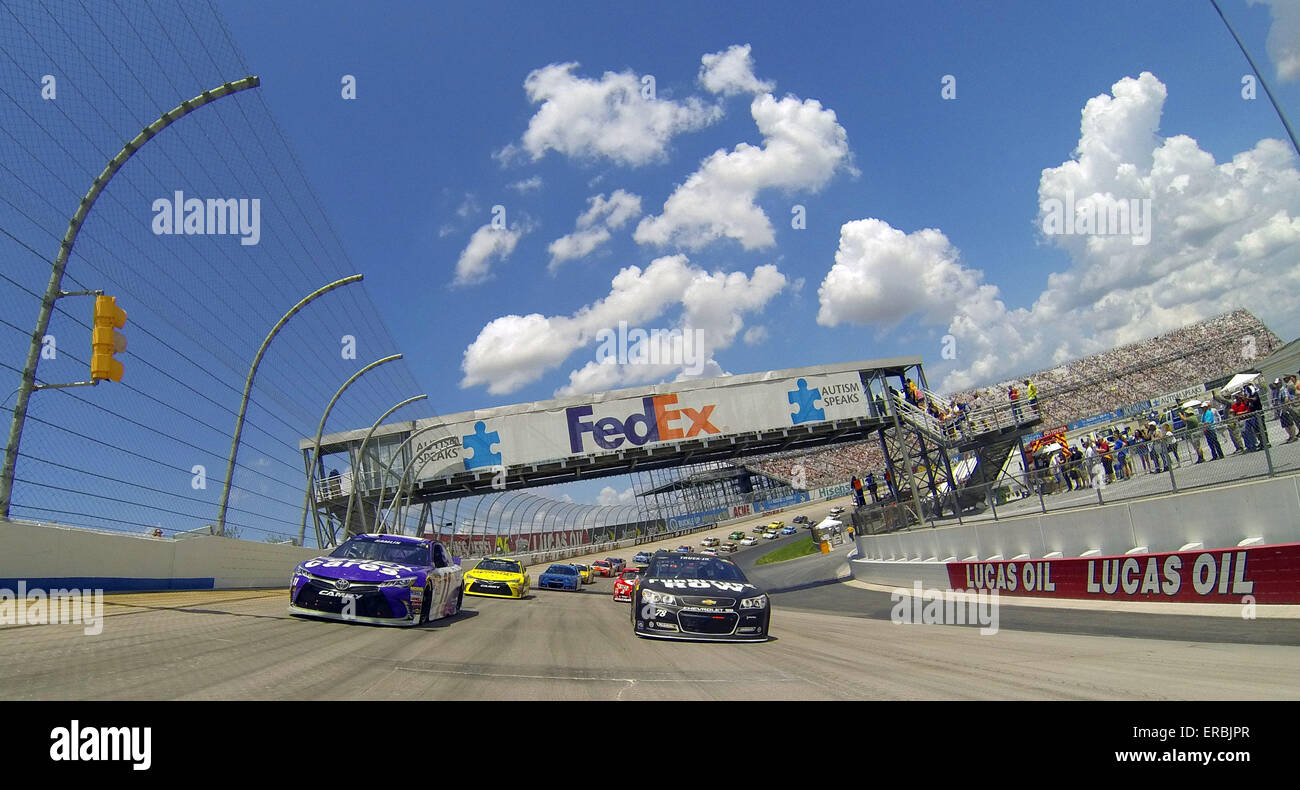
(737, 535)
(616, 564)
(692, 596)
(641, 557)
(625, 584)
(584, 572)
(684, 549)
(560, 577)
(602, 568)
(709, 552)
(771, 534)
(759, 530)
(749, 540)
(710, 542)
(379, 579)
(790, 530)
(497, 577)
(800, 519)
(728, 547)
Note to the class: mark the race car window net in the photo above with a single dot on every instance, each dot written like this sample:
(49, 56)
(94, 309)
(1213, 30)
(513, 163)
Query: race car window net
(711, 569)
(498, 565)
(362, 549)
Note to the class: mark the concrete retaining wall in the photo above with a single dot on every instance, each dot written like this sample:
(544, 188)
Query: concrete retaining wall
(51, 556)
(1252, 513)
(55, 556)
(1222, 517)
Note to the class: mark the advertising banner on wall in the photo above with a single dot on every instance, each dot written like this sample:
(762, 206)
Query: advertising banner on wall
(614, 424)
(1265, 574)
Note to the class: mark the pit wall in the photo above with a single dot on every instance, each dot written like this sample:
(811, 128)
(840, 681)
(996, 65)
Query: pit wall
(1211, 545)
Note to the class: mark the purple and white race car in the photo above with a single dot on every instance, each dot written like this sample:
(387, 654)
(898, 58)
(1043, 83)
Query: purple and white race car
(381, 579)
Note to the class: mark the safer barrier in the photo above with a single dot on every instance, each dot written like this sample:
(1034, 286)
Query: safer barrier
(56, 556)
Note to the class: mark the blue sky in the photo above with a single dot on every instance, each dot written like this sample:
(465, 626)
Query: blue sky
(922, 216)
(441, 92)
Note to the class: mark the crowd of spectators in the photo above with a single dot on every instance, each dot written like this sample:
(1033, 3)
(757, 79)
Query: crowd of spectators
(1097, 384)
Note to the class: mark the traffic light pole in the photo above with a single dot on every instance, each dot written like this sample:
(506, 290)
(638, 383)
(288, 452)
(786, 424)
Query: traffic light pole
(54, 291)
(248, 388)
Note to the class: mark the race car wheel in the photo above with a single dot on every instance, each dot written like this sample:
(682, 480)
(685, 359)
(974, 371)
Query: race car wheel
(427, 605)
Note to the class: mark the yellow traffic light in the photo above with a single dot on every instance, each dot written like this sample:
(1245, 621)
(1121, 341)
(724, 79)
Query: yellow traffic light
(105, 341)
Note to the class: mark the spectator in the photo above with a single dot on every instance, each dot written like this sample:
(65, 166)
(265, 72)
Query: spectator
(1254, 417)
(1208, 423)
(1141, 447)
(1171, 443)
(1013, 395)
(1121, 458)
(1240, 412)
(1031, 392)
(1194, 431)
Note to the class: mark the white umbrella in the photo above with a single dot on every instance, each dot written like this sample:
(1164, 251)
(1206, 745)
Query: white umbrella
(1238, 381)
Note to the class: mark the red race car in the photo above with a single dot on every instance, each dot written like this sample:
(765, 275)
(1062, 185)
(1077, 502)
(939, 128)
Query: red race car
(625, 584)
(602, 568)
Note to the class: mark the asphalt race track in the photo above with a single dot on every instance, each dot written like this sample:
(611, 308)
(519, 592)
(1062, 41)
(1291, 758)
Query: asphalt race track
(832, 640)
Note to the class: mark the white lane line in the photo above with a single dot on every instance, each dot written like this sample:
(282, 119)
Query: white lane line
(631, 684)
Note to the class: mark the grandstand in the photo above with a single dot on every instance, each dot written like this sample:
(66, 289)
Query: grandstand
(1192, 355)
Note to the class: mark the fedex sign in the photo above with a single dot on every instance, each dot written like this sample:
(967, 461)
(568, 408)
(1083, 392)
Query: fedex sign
(657, 422)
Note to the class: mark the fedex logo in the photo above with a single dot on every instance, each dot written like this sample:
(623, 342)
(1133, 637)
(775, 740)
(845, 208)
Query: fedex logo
(658, 422)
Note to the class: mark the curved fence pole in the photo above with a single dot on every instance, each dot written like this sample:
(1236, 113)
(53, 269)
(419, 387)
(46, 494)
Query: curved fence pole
(54, 289)
(248, 388)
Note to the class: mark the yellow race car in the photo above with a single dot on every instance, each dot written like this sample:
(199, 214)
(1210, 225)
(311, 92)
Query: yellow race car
(584, 572)
(497, 577)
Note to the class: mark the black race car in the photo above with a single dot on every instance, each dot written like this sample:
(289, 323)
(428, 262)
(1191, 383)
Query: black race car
(695, 596)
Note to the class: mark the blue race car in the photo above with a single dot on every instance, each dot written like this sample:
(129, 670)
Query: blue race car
(560, 577)
(380, 579)
(789, 530)
(641, 558)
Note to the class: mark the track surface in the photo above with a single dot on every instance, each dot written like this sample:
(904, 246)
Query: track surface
(832, 641)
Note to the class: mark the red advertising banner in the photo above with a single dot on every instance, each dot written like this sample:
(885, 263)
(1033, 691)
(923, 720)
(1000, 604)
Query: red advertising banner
(1268, 574)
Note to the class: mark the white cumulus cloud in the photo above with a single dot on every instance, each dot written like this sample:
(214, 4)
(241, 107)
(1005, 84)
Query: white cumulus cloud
(803, 146)
(513, 350)
(1222, 236)
(1284, 37)
(594, 225)
(608, 118)
(731, 72)
(487, 244)
(611, 496)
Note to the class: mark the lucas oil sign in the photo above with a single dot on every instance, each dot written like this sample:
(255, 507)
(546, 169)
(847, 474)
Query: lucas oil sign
(1270, 574)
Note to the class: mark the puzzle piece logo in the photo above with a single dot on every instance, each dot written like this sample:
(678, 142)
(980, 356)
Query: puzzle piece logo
(804, 398)
(481, 443)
